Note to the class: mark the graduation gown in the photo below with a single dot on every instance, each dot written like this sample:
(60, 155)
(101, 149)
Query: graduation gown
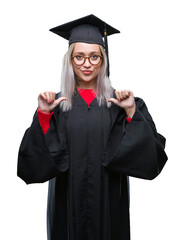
(87, 155)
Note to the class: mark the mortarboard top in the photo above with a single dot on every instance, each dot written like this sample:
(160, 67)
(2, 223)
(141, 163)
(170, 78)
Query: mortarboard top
(88, 29)
(89, 25)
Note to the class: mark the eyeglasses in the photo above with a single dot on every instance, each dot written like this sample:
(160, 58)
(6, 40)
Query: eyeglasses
(80, 60)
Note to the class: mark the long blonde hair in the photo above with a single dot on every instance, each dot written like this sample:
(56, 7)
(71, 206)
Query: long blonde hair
(68, 82)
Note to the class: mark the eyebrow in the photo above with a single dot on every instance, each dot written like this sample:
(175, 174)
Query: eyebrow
(82, 53)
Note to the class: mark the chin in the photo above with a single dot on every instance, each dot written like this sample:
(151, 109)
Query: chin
(87, 78)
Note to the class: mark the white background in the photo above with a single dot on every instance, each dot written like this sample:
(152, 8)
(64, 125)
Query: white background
(148, 57)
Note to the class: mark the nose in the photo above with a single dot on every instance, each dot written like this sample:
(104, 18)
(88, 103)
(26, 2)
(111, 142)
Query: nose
(87, 63)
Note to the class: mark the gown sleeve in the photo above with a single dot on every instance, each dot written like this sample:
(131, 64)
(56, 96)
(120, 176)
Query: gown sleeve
(44, 120)
(42, 157)
(137, 150)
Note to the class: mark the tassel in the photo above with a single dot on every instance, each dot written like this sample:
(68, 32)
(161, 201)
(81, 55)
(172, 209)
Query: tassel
(106, 50)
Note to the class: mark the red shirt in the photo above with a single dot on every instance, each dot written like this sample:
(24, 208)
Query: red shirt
(87, 94)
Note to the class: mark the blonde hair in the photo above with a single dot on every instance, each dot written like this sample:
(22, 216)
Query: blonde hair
(68, 82)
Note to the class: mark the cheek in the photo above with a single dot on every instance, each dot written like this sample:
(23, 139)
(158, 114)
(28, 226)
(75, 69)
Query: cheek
(76, 70)
(96, 70)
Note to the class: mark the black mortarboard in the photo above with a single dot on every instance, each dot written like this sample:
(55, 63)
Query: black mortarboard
(89, 29)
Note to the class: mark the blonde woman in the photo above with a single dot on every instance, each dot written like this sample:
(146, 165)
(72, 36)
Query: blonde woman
(87, 140)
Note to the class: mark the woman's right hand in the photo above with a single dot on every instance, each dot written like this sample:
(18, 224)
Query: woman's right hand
(47, 101)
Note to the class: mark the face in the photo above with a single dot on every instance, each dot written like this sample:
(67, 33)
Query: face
(86, 73)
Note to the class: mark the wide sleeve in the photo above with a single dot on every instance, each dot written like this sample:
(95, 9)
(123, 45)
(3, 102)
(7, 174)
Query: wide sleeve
(42, 157)
(136, 149)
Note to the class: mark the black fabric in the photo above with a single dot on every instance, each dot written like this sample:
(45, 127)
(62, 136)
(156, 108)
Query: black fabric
(138, 150)
(89, 152)
(86, 33)
(88, 29)
(37, 162)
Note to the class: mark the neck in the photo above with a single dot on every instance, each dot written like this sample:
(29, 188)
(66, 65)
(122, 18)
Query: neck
(81, 84)
(86, 85)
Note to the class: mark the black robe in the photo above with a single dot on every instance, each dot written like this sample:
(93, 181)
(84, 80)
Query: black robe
(87, 154)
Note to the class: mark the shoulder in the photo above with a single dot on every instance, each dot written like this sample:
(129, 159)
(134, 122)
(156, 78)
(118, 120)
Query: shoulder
(139, 102)
(142, 108)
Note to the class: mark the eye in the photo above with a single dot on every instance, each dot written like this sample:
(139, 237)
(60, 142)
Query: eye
(78, 57)
(94, 57)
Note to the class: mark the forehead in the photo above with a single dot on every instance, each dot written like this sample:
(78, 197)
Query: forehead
(86, 48)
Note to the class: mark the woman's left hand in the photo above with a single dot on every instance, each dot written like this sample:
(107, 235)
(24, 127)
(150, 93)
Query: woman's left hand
(125, 100)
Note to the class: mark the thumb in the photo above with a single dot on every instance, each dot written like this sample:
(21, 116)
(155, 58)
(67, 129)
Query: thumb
(60, 99)
(114, 100)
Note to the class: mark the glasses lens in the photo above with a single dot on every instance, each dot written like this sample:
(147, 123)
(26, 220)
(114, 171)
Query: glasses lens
(78, 60)
(95, 59)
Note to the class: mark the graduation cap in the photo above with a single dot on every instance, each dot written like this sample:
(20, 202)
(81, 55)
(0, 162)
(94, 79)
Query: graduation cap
(88, 29)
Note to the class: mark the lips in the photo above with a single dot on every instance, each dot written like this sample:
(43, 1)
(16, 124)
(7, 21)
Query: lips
(87, 72)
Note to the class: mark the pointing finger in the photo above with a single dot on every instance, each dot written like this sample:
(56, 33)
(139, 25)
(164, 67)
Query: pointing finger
(114, 100)
(60, 100)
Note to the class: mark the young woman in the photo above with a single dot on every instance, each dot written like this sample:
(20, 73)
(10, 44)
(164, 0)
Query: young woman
(86, 140)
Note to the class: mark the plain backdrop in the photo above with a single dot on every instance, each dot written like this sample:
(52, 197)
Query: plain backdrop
(147, 57)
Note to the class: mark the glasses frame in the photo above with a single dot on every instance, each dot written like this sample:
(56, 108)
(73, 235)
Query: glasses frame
(85, 60)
